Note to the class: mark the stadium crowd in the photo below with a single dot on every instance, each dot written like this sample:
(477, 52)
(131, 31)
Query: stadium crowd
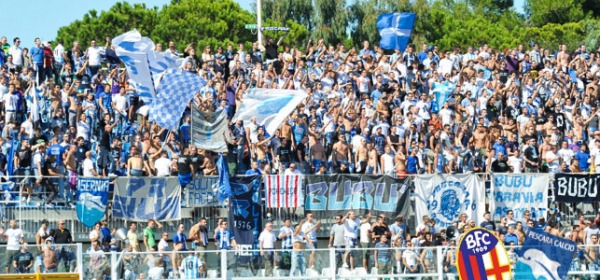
(71, 111)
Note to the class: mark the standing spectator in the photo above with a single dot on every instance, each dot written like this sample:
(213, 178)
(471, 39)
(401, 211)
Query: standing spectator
(365, 239)
(336, 239)
(98, 262)
(267, 241)
(36, 59)
(150, 235)
(383, 256)
(351, 231)
(192, 266)
(180, 238)
(23, 261)
(199, 235)
(93, 55)
(63, 236)
(163, 249)
(50, 261)
(310, 230)
(48, 62)
(488, 223)
(531, 157)
(298, 261)
(89, 170)
(410, 259)
(133, 238)
(14, 237)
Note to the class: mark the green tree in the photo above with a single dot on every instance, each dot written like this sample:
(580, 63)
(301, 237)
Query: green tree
(541, 12)
(203, 22)
(120, 18)
(330, 21)
(299, 11)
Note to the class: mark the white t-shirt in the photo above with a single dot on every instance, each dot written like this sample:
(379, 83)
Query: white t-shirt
(516, 163)
(312, 235)
(121, 102)
(27, 126)
(10, 102)
(268, 239)
(155, 273)
(365, 237)
(351, 228)
(58, 54)
(596, 155)
(88, 165)
(162, 166)
(566, 155)
(17, 55)
(94, 56)
(411, 257)
(13, 238)
(94, 235)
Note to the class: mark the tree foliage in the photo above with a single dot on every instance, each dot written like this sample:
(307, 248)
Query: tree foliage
(120, 18)
(445, 23)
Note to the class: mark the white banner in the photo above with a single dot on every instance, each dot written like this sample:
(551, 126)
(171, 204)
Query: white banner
(269, 106)
(209, 130)
(444, 197)
(142, 198)
(519, 192)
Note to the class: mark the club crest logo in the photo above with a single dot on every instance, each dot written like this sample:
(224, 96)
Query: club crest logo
(482, 256)
(447, 201)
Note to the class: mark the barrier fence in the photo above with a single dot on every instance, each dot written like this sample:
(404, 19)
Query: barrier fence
(424, 263)
(199, 200)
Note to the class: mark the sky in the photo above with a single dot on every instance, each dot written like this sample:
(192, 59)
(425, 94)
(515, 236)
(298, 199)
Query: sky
(45, 20)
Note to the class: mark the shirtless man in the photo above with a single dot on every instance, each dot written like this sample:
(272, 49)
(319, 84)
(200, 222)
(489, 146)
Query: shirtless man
(350, 117)
(208, 166)
(563, 58)
(592, 253)
(549, 125)
(545, 146)
(469, 70)
(481, 139)
(495, 129)
(578, 127)
(317, 153)
(135, 164)
(361, 156)
(50, 261)
(342, 150)
(71, 162)
(372, 161)
(286, 131)
(298, 261)
(261, 150)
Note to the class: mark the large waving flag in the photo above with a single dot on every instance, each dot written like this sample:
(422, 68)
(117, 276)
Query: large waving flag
(395, 30)
(142, 62)
(442, 92)
(209, 129)
(176, 89)
(269, 106)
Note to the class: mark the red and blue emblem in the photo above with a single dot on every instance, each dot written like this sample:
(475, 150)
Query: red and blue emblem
(482, 256)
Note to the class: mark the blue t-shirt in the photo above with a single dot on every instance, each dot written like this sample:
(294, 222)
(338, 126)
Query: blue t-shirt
(383, 252)
(37, 55)
(411, 165)
(56, 150)
(180, 238)
(299, 131)
(583, 160)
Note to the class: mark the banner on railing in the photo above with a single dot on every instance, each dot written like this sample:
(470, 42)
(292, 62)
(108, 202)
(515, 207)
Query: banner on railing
(444, 197)
(245, 214)
(338, 194)
(577, 187)
(284, 191)
(202, 192)
(519, 192)
(92, 198)
(139, 199)
(544, 256)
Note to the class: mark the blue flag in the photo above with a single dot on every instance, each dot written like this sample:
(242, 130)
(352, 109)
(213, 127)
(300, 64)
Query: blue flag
(544, 255)
(10, 166)
(224, 186)
(395, 30)
(442, 92)
(92, 198)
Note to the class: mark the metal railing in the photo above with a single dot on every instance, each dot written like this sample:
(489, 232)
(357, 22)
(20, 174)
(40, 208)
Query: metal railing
(63, 258)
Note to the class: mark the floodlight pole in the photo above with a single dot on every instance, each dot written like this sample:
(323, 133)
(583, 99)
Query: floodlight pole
(259, 21)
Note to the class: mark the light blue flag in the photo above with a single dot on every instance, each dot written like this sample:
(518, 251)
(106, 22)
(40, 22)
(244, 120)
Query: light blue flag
(442, 92)
(395, 30)
(175, 91)
(224, 185)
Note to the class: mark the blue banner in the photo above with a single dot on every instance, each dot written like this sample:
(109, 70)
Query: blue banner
(544, 255)
(92, 198)
(141, 198)
(202, 192)
(224, 185)
(395, 30)
(245, 214)
(339, 193)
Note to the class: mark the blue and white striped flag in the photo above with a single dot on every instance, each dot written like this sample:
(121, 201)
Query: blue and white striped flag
(175, 91)
(395, 30)
(442, 92)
